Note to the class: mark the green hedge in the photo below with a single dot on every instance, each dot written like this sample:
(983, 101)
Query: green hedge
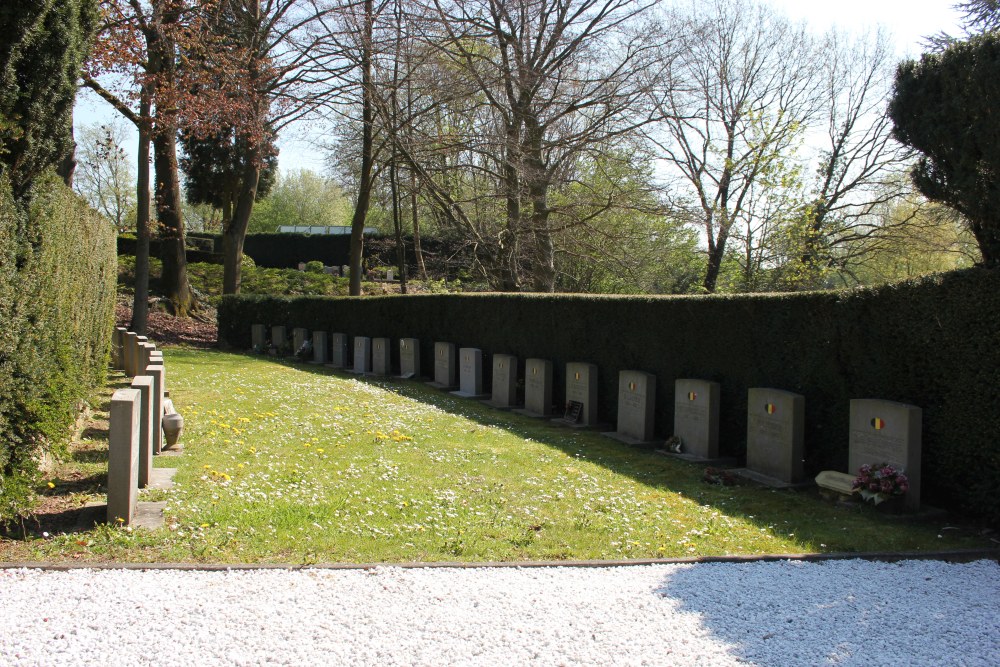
(931, 342)
(57, 294)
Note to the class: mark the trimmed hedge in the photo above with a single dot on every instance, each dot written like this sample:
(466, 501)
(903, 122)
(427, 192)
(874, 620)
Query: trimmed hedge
(126, 246)
(57, 296)
(930, 342)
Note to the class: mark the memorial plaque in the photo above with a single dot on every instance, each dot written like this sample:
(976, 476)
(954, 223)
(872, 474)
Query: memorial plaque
(696, 417)
(636, 403)
(278, 340)
(504, 381)
(381, 357)
(887, 432)
(581, 387)
(445, 369)
(775, 432)
(258, 338)
(409, 358)
(144, 385)
(299, 337)
(537, 388)
(470, 375)
(362, 354)
(320, 347)
(123, 456)
(338, 350)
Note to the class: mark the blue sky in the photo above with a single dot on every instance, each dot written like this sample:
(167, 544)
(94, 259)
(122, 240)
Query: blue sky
(909, 21)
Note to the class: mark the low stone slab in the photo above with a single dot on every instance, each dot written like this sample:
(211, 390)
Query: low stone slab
(162, 478)
(123, 456)
(470, 365)
(381, 356)
(537, 388)
(409, 358)
(832, 480)
(149, 515)
(445, 369)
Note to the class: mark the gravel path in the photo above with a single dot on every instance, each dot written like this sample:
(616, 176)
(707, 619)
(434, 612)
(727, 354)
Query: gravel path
(780, 613)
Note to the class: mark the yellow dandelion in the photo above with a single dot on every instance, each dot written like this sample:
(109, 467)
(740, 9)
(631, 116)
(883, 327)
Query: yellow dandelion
(51, 485)
(319, 450)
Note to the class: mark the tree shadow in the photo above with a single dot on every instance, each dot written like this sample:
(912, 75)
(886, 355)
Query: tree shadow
(93, 433)
(90, 455)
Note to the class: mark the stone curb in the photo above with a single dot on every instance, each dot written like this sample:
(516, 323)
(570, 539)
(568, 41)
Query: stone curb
(953, 556)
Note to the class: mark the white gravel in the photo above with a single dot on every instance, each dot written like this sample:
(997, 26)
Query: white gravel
(780, 613)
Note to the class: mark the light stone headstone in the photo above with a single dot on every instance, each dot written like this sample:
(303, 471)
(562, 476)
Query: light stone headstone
(470, 373)
(696, 417)
(775, 434)
(159, 375)
(144, 384)
(887, 432)
(445, 369)
(258, 337)
(504, 381)
(131, 352)
(299, 337)
(581, 387)
(279, 339)
(338, 350)
(537, 388)
(390, 275)
(319, 347)
(119, 348)
(381, 356)
(123, 456)
(409, 358)
(137, 358)
(362, 354)
(636, 403)
(146, 351)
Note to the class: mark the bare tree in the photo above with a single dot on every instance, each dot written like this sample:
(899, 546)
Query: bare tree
(104, 175)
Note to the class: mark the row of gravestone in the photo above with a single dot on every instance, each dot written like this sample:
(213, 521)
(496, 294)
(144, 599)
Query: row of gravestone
(880, 431)
(139, 417)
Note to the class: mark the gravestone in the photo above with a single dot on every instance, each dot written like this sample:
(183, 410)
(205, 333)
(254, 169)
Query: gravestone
(445, 370)
(131, 352)
(144, 385)
(409, 358)
(319, 347)
(137, 356)
(279, 340)
(381, 357)
(696, 418)
(581, 387)
(470, 373)
(158, 373)
(887, 432)
(537, 388)
(636, 404)
(338, 350)
(362, 355)
(119, 348)
(504, 381)
(258, 338)
(123, 456)
(146, 351)
(390, 275)
(302, 266)
(775, 435)
(299, 337)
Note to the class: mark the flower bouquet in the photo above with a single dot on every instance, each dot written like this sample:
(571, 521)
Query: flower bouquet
(880, 482)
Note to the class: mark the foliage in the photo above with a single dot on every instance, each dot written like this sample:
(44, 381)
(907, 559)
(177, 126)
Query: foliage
(928, 342)
(213, 169)
(945, 107)
(104, 176)
(57, 291)
(301, 197)
(42, 50)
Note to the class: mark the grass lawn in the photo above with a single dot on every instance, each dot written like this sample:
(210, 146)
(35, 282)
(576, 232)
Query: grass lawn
(297, 464)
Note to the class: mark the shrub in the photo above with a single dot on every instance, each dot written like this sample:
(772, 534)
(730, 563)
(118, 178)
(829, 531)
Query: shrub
(314, 267)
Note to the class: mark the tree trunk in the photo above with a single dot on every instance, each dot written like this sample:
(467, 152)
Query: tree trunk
(414, 214)
(365, 183)
(174, 280)
(140, 303)
(235, 233)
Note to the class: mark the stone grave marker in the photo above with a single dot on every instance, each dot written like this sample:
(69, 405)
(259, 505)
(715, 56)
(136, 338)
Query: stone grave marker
(445, 370)
(319, 347)
(504, 380)
(887, 432)
(390, 275)
(258, 338)
(362, 355)
(696, 418)
(119, 348)
(470, 373)
(537, 388)
(381, 356)
(338, 350)
(581, 387)
(279, 339)
(299, 337)
(636, 406)
(409, 358)
(146, 351)
(775, 436)
(144, 385)
(123, 456)
(137, 354)
(158, 373)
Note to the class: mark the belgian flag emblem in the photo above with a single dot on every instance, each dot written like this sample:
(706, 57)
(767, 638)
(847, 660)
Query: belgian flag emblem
(878, 424)
(631, 386)
(770, 408)
(576, 376)
(692, 395)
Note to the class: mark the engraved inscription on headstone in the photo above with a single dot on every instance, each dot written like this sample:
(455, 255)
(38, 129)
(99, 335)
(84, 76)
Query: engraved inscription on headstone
(636, 402)
(887, 432)
(696, 416)
(775, 431)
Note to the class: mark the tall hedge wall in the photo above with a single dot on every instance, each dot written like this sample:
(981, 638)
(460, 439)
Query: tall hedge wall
(931, 342)
(57, 294)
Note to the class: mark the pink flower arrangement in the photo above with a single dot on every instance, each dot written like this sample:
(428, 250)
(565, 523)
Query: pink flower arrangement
(880, 482)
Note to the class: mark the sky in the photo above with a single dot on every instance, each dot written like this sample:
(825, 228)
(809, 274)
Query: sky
(908, 21)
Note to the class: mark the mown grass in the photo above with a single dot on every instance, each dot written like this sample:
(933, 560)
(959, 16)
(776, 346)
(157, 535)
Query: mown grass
(296, 464)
